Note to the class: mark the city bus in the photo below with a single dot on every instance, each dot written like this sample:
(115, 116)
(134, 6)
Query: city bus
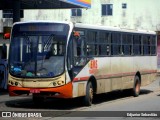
(68, 60)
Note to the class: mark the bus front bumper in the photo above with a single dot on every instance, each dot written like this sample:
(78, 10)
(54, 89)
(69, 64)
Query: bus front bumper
(64, 91)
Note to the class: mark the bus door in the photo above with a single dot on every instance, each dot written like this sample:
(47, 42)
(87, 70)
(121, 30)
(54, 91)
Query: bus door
(76, 54)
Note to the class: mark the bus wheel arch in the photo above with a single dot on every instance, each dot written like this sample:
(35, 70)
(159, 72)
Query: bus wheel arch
(139, 75)
(137, 84)
(91, 88)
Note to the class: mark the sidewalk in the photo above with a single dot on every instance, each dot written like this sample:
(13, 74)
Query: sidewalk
(154, 86)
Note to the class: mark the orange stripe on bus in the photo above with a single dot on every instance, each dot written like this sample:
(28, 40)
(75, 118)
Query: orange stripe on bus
(64, 91)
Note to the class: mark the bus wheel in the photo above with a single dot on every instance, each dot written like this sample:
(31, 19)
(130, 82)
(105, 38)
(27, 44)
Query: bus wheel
(89, 95)
(136, 88)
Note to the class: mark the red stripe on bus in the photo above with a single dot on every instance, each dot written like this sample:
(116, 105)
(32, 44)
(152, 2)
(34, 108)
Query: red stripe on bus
(126, 74)
(81, 78)
(116, 75)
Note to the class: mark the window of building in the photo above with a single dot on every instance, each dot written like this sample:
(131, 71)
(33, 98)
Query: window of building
(9, 14)
(124, 5)
(107, 9)
(76, 12)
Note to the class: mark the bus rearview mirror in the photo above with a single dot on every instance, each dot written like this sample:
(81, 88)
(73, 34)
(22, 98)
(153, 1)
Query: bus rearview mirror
(7, 36)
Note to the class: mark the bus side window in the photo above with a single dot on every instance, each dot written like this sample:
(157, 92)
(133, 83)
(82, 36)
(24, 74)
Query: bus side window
(126, 44)
(137, 48)
(79, 51)
(115, 44)
(153, 45)
(146, 45)
(92, 43)
(108, 49)
(104, 43)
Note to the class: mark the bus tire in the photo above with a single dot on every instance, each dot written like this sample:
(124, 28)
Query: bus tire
(136, 87)
(89, 94)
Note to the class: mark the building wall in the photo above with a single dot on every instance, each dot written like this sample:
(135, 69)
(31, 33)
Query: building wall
(139, 14)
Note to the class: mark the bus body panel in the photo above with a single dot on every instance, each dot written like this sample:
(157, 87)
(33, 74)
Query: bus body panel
(110, 72)
(117, 73)
(79, 88)
(38, 82)
(64, 91)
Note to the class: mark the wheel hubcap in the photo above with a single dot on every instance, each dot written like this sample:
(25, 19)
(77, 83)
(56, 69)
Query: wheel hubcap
(137, 87)
(91, 94)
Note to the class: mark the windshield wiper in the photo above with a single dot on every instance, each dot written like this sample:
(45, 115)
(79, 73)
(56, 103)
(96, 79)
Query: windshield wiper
(48, 43)
(46, 47)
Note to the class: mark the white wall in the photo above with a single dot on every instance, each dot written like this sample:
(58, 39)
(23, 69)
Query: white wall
(140, 14)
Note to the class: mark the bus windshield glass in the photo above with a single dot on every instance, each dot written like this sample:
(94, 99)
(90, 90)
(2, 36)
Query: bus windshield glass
(38, 49)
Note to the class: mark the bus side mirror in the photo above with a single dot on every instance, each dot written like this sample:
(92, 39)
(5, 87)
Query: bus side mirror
(76, 35)
(7, 36)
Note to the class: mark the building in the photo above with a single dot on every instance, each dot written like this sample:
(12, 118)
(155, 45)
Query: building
(132, 14)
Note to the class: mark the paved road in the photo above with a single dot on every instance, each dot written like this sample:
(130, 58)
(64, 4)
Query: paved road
(148, 103)
(116, 101)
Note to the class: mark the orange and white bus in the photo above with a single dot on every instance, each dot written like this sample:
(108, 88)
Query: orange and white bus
(68, 60)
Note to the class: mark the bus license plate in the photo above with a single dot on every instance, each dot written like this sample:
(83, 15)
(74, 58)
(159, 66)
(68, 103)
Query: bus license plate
(34, 91)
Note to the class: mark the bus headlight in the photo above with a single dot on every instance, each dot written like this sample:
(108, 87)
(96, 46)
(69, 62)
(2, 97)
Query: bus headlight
(12, 83)
(58, 83)
(16, 83)
(54, 83)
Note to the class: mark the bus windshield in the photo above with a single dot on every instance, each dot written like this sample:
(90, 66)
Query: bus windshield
(38, 49)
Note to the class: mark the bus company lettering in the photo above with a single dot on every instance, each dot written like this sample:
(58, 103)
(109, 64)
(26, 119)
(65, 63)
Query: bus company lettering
(93, 67)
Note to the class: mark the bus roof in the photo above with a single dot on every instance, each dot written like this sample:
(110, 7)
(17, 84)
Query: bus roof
(109, 28)
(43, 21)
(89, 26)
